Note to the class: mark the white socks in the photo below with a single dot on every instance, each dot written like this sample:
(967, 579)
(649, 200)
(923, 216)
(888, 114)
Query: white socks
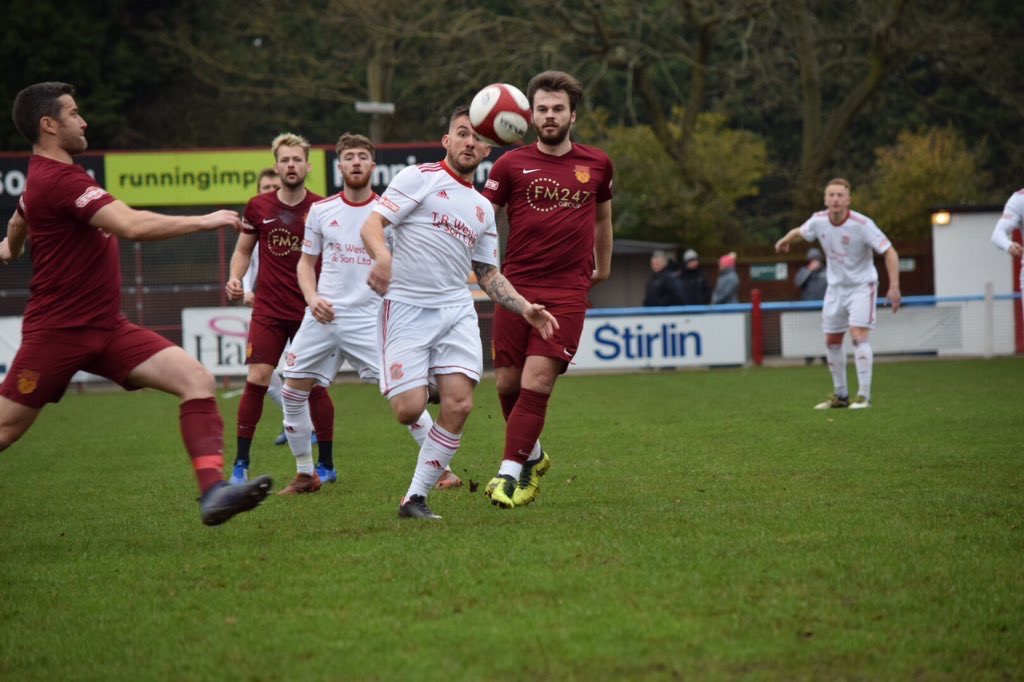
(436, 454)
(864, 359)
(298, 427)
(837, 366)
(274, 388)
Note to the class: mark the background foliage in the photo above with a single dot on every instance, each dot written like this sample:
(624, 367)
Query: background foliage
(724, 117)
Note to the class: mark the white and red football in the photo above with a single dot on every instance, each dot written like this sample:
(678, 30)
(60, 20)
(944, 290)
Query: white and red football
(500, 114)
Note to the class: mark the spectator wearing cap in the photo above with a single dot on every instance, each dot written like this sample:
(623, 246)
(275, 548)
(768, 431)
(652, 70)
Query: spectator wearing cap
(727, 286)
(811, 277)
(696, 290)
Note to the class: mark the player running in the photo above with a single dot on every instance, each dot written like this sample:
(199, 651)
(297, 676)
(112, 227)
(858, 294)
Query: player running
(1012, 219)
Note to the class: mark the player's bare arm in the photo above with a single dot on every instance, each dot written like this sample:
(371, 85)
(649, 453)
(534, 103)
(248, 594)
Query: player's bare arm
(121, 219)
(791, 237)
(892, 266)
(603, 243)
(504, 294)
(305, 272)
(240, 260)
(376, 245)
(13, 244)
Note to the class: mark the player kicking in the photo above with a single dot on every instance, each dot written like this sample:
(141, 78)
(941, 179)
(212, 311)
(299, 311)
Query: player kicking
(1012, 218)
(341, 319)
(848, 239)
(428, 328)
(558, 195)
(73, 319)
(275, 221)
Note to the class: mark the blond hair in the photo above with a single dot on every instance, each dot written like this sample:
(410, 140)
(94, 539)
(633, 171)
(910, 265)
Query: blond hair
(290, 140)
(842, 182)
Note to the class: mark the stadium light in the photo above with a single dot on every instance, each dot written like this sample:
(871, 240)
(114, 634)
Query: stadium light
(940, 218)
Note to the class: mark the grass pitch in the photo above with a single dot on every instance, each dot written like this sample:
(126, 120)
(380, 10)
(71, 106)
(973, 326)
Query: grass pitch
(694, 525)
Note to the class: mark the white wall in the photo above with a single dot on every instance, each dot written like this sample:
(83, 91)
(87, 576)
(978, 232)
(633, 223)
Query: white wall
(966, 258)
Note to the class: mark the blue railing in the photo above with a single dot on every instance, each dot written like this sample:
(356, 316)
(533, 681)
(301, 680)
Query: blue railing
(906, 301)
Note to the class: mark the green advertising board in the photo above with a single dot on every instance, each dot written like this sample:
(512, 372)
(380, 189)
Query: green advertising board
(769, 272)
(218, 178)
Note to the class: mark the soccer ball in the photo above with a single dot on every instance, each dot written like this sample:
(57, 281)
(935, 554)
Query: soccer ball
(500, 114)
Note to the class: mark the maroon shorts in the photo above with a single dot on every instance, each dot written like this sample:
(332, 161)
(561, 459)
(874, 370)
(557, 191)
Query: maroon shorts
(267, 338)
(513, 338)
(48, 359)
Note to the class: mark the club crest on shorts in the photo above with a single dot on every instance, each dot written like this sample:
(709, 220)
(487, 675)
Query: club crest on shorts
(582, 173)
(290, 360)
(28, 381)
(248, 351)
(396, 371)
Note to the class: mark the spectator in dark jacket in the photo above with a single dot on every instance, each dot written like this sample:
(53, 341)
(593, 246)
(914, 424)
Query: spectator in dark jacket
(727, 286)
(811, 277)
(696, 290)
(664, 287)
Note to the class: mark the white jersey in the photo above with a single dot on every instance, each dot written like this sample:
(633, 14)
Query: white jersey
(847, 246)
(441, 225)
(1012, 218)
(332, 229)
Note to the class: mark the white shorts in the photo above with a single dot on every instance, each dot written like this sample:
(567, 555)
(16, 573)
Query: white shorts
(318, 350)
(419, 343)
(848, 306)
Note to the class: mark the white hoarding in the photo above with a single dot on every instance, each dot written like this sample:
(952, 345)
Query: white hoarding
(642, 341)
(217, 337)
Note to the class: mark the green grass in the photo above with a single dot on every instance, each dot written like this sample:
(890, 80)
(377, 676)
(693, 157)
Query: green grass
(694, 525)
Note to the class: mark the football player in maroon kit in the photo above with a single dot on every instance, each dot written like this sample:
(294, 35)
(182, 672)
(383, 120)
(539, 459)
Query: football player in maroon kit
(73, 318)
(558, 196)
(276, 221)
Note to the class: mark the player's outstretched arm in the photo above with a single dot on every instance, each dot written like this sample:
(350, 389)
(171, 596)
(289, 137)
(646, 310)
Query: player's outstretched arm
(791, 237)
(1009, 222)
(892, 267)
(376, 245)
(504, 294)
(121, 219)
(13, 244)
(603, 243)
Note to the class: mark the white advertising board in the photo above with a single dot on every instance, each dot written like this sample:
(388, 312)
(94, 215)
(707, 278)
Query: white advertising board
(216, 337)
(648, 341)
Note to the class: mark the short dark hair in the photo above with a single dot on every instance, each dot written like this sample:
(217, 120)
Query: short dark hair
(37, 101)
(458, 112)
(353, 141)
(267, 173)
(556, 81)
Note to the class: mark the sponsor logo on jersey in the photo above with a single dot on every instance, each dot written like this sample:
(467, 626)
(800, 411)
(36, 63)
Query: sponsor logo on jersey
(480, 215)
(396, 372)
(28, 381)
(333, 223)
(267, 221)
(582, 173)
(388, 204)
(491, 184)
(527, 171)
(88, 195)
(545, 195)
(281, 242)
(443, 194)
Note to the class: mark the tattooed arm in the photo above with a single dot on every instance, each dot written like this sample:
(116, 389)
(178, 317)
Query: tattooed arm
(504, 294)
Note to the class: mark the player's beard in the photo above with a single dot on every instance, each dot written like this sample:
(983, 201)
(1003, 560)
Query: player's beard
(356, 183)
(292, 184)
(461, 168)
(556, 138)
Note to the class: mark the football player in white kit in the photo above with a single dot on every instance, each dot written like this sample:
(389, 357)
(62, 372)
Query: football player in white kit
(340, 323)
(1012, 219)
(428, 327)
(850, 240)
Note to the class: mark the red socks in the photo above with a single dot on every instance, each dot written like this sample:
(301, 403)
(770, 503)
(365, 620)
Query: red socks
(250, 409)
(321, 413)
(525, 424)
(202, 429)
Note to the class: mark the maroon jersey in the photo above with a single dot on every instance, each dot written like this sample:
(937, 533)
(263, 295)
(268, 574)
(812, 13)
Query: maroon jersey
(552, 209)
(279, 229)
(76, 268)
